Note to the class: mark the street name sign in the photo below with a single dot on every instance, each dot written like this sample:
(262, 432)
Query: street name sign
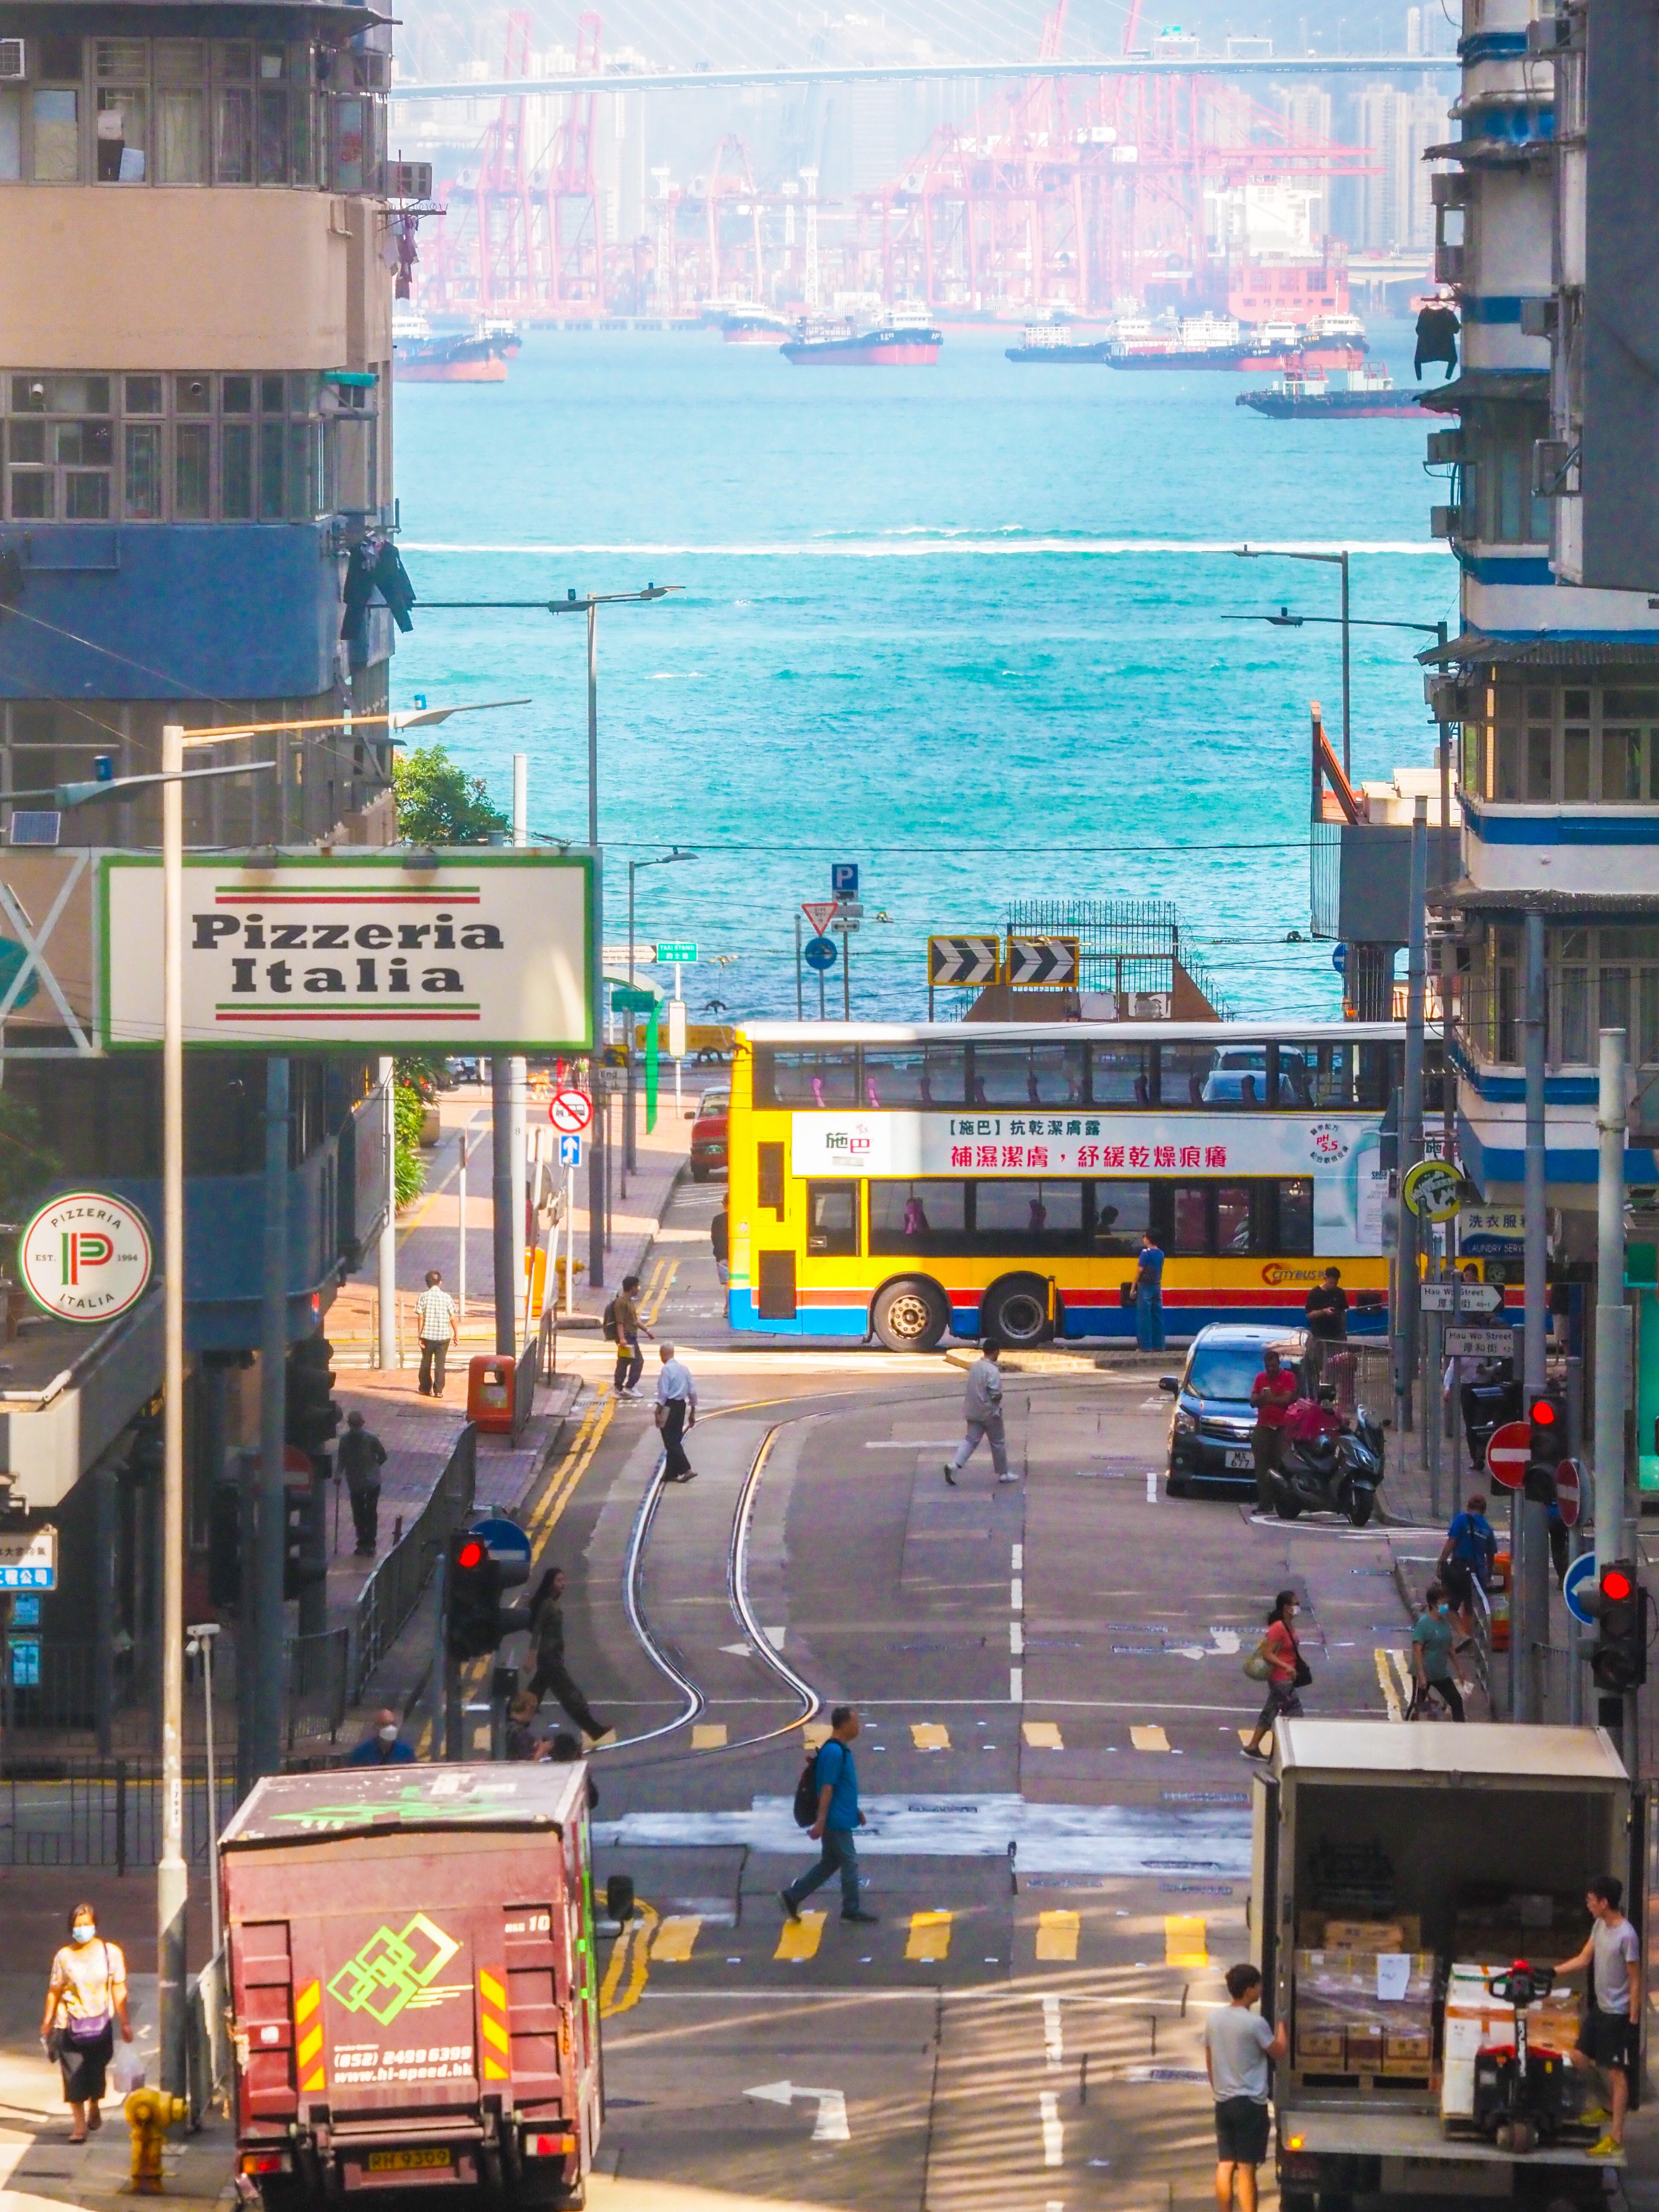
(1044, 963)
(1507, 1453)
(957, 962)
(677, 955)
(1479, 1344)
(28, 1559)
(819, 914)
(468, 949)
(1461, 1297)
(570, 1111)
(87, 1257)
(1432, 1189)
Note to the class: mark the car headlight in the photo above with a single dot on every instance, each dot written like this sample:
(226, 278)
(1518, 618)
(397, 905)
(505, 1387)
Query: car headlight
(1185, 1423)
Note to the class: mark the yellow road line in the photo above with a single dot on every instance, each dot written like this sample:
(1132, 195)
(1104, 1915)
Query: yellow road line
(1385, 1676)
(799, 1939)
(1149, 1738)
(662, 1280)
(930, 1936)
(930, 1735)
(708, 1736)
(677, 1938)
(631, 1950)
(575, 1464)
(1042, 1735)
(1057, 1933)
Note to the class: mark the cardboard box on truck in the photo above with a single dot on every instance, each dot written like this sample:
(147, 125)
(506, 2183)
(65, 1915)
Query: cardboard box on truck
(412, 1971)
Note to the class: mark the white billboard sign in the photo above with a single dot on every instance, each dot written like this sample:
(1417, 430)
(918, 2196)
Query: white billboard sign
(475, 950)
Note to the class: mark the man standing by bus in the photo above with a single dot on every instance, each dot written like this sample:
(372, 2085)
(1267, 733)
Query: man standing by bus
(1149, 1294)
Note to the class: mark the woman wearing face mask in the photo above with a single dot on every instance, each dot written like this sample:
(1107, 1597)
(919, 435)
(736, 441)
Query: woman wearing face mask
(86, 1994)
(1288, 1672)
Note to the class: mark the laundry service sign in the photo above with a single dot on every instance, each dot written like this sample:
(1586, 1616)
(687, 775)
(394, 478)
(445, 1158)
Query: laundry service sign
(470, 950)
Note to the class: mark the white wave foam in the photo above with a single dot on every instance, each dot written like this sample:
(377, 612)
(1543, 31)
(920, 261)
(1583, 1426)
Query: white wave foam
(919, 547)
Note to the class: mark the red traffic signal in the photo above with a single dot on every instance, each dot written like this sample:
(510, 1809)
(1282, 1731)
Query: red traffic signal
(471, 1554)
(1542, 1411)
(1616, 1584)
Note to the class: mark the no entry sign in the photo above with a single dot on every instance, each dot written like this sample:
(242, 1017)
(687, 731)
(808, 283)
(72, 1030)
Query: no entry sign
(1570, 1492)
(1507, 1453)
(571, 1112)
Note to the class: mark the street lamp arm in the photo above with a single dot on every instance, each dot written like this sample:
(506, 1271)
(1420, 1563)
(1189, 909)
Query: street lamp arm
(420, 718)
(1285, 553)
(1283, 621)
(80, 794)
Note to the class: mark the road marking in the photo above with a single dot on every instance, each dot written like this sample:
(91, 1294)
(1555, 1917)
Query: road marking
(1054, 2044)
(1016, 1684)
(1185, 1940)
(1385, 1677)
(1017, 1594)
(1402, 1667)
(1149, 1738)
(831, 2124)
(1016, 1638)
(630, 1951)
(575, 1464)
(660, 1288)
(676, 1936)
(930, 1735)
(930, 1936)
(1151, 1486)
(1054, 2134)
(1056, 1938)
(774, 1636)
(1017, 1557)
(708, 1736)
(1042, 1735)
(1247, 1736)
(799, 1939)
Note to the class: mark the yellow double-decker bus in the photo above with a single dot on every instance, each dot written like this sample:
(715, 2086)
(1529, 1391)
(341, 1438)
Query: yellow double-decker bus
(908, 1182)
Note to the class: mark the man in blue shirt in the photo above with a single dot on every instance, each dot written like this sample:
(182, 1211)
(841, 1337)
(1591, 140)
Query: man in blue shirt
(385, 1747)
(1149, 1294)
(1468, 1554)
(838, 1816)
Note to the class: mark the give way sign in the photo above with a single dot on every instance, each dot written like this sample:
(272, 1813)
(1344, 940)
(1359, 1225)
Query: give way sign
(1507, 1453)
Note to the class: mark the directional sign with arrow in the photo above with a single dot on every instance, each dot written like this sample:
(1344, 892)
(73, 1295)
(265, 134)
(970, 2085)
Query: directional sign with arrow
(832, 2107)
(953, 961)
(1044, 963)
(1461, 1297)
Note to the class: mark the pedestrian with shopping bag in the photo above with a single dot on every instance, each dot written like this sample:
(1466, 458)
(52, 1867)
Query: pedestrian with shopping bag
(1277, 1661)
(86, 1997)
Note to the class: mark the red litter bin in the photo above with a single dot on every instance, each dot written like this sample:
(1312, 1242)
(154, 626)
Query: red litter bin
(489, 1393)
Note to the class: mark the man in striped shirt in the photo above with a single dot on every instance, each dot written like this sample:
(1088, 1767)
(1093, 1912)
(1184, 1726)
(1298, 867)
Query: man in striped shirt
(439, 1327)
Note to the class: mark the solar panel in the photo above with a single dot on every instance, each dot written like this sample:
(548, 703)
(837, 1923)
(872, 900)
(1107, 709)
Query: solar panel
(35, 828)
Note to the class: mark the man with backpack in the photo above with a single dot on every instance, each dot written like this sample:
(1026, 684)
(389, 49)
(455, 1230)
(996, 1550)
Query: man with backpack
(827, 1794)
(622, 1324)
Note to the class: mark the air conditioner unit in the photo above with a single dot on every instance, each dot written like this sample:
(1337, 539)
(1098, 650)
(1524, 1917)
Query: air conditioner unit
(12, 60)
(1445, 444)
(1549, 34)
(1449, 188)
(1444, 696)
(1443, 521)
(1537, 317)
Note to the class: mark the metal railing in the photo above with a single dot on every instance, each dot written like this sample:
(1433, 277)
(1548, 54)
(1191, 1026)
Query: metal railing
(319, 1685)
(64, 1700)
(393, 1590)
(526, 1372)
(74, 1811)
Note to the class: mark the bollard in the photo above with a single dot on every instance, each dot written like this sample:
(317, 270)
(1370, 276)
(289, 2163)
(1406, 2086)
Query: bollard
(150, 2113)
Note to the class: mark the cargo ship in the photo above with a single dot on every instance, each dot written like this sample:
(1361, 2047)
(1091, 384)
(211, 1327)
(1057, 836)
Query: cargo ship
(755, 326)
(890, 345)
(1369, 390)
(1047, 341)
(449, 358)
(1218, 342)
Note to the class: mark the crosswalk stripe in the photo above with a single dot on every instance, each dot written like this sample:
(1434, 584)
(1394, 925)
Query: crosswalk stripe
(799, 1939)
(676, 1934)
(1385, 1677)
(1149, 1738)
(1054, 2130)
(1247, 1736)
(708, 1736)
(930, 1735)
(1057, 1935)
(1042, 1735)
(930, 1935)
(1185, 1940)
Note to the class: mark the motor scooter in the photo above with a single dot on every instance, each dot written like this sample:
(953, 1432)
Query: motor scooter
(1325, 1465)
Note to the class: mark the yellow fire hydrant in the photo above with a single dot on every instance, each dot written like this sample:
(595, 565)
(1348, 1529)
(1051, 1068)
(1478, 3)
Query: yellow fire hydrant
(150, 2113)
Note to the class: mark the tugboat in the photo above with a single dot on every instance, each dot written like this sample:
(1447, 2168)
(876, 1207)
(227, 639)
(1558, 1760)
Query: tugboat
(890, 345)
(1369, 390)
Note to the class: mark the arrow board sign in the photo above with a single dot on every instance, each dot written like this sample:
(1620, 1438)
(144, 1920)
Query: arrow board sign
(1044, 963)
(819, 913)
(953, 961)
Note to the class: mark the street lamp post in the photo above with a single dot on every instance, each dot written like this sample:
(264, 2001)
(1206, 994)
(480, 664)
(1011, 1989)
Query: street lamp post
(663, 860)
(201, 1634)
(1330, 560)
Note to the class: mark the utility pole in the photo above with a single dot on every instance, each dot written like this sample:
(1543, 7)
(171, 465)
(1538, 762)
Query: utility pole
(1528, 1518)
(598, 1176)
(387, 1351)
(172, 1872)
(504, 1243)
(1411, 1119)
(517, 1070)
(271, 1541)
(1612, 1340)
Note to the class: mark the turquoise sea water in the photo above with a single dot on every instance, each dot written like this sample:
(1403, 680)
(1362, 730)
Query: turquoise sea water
(964, 625)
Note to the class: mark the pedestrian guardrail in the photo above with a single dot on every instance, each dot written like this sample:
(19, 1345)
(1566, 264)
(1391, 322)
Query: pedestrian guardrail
(525, 1370)
(72, 1811)
(393, 1590)
(318, 1685)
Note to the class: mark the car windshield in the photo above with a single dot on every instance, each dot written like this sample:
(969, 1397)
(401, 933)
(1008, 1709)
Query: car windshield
(1223, 1370)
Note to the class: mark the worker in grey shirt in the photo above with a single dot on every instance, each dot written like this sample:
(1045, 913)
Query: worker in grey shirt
(1609, 2039)
(1237, 2045)
(677, 1411)
(981, 1412)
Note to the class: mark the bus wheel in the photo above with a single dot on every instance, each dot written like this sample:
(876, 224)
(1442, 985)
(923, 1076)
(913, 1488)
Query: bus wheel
(1016, 1311)
(911, 1315)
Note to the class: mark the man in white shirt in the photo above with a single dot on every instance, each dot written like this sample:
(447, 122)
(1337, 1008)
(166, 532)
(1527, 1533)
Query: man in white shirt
(1607, 2041)
(1237, 2045)
(440, 1327)
(981, 1412)
(677, 1411)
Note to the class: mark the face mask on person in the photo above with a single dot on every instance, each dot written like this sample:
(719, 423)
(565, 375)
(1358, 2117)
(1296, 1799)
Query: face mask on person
(387, 1734)
(82, 1932)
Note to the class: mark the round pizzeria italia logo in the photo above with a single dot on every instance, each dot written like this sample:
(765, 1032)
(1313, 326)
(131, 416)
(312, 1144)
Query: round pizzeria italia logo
(87, 1257)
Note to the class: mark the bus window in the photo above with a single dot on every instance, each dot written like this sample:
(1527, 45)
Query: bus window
(1122, 1211)
(1382, 1071)
(825, 1078)
(1183, 1070)
(768, 1177)
(1017, 1217)
(1296, 1075)
(1238, 1076)
(1332, 1073)
(1232, 1217)
(1295, 1230)
(914, 1075)
(1028, 1075)
(1190, 1228)
(832, 1219)
(1118, 1075)
(918, 1217)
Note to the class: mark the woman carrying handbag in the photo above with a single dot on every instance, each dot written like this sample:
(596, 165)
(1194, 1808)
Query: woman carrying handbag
(86, 1994)
(1277, 1661)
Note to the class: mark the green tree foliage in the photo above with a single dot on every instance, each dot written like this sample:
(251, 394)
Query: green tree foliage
(409, 1168)
(27, 1166)
(440, 804)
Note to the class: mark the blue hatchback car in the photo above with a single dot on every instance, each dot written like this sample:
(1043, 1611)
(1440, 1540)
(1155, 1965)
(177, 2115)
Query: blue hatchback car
(1210, 1427)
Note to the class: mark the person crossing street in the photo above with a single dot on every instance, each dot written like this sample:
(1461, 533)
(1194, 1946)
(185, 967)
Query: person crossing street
(677, 1413)
(839, 1817)
(981, 1412)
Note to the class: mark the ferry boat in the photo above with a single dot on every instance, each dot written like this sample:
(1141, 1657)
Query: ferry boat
(758, 327)
(889, 345)
(1368, 390)
(1218, 341)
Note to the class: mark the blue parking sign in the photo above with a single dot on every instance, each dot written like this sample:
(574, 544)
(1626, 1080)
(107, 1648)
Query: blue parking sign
(844, 878)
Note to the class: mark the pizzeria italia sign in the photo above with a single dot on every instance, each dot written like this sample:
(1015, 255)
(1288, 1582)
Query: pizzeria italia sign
(468, 949)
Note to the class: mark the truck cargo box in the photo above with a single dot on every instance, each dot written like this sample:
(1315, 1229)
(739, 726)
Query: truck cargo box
(410, 1956)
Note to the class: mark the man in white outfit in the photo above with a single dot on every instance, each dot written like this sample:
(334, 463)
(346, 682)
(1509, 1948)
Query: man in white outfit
(981, 1411)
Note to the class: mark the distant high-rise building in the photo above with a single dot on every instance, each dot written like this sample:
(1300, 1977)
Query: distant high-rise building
(1396, 129)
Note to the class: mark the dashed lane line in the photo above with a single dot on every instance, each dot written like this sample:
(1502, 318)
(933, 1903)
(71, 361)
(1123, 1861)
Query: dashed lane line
(1054, 2131)
(798, 1940)
(708, 1736)
(675, 1938)
(1186, 1941)
(1057, 1939)
(1149, 1737)
(1053, 2039)
(930, 1735)
(1042, 1735)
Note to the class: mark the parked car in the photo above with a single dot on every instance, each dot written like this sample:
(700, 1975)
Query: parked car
(1209, 1428)
(708, 1138)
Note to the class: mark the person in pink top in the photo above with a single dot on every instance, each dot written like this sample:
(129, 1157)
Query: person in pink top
(1287, 1671)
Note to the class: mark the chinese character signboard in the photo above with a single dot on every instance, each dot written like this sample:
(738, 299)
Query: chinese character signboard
(463, 950)
(28, 1559)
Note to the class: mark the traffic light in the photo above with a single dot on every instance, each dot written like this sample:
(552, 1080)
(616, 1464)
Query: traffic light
(1620, 1660)
(312, 1417)
(475, 1624)
(1546, 1421)
(305, 1547)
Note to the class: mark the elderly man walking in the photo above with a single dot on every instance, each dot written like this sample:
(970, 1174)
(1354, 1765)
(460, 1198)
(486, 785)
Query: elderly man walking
(981, 1412)
(677, 1411)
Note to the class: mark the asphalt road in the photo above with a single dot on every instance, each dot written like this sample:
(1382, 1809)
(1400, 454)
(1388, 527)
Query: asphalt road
(1049, 1678)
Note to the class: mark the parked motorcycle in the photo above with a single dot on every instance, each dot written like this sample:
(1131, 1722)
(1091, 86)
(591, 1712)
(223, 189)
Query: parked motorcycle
(1325, 1465)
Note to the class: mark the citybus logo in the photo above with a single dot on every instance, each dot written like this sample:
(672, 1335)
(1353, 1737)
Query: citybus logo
(1275, 1271)
(1328, 1142)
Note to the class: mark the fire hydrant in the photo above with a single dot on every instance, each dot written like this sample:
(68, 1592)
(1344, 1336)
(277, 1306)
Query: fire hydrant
(150, 2113)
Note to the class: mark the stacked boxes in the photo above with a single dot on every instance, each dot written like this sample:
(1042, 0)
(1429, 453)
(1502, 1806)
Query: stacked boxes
(1476, 2021)
(1364, 2011)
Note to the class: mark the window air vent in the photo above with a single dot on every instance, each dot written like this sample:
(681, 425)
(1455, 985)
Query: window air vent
(12, 60)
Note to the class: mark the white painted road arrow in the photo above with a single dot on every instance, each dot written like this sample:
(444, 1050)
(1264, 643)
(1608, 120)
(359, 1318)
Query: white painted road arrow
(832, 2107)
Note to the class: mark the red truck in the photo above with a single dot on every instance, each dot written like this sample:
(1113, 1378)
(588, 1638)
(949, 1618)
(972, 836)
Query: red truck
(412, 1977)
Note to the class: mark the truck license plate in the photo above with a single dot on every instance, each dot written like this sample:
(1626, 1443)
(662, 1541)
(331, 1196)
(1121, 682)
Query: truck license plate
(1241, 1459)
(405, 2161)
